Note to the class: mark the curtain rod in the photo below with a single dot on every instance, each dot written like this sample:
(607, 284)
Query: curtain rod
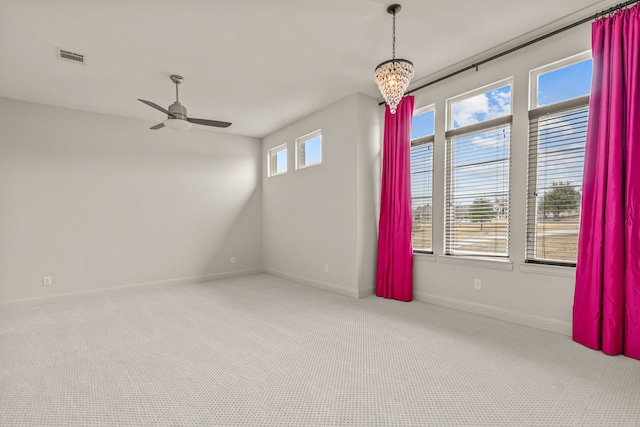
(523, 45)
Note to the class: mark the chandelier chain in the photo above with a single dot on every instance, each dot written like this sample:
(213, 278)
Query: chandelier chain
(393, 57)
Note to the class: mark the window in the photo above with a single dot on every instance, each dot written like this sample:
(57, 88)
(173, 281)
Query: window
(557, 134)
(477, 171)
(309, 150)
(422, 131)
(277, 158)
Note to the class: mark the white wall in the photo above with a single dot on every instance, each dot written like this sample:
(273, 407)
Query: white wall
(369, 158)
(534, 295)
(98, 202)
(325, 214)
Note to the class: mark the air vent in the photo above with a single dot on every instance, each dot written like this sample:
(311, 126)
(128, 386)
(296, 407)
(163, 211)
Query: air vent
(67, 55)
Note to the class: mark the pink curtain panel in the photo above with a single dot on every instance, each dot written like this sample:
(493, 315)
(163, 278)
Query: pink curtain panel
(606, 311)
(395, 255)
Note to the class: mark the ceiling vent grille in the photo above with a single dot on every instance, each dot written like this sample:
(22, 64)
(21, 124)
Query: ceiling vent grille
(67, 55)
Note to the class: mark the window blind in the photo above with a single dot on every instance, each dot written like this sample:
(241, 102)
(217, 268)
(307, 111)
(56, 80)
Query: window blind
(557, 136)
(477, 189)
(421, 193)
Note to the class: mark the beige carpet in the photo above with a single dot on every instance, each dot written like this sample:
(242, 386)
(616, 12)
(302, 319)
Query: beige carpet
(258, 350)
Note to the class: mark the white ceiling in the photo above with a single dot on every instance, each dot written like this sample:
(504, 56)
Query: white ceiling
(260, 64)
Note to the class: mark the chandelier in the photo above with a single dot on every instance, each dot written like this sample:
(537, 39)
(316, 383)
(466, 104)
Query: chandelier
(393, 76)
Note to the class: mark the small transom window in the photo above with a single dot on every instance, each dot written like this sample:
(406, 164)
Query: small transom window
(309, 150)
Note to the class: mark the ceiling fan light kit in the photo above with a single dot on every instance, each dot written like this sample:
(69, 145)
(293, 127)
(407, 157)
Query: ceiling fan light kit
(177, 124)
(177, 113)
(393, 76)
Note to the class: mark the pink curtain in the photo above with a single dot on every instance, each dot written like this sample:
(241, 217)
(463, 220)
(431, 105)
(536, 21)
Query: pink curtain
(606, 311)
(395, 254)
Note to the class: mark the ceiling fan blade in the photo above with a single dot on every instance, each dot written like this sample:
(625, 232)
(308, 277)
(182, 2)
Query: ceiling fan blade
(158, 126)
(209, 123)
(156, 106)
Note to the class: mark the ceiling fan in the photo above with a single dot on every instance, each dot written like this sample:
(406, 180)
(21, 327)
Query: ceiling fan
(177, 113)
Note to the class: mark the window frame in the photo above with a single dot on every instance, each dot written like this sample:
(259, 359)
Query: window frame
(272, 156)
(536, 112)
(300, 149)
(418, 142)
(535, 74)
(508, 81)
(450, 134)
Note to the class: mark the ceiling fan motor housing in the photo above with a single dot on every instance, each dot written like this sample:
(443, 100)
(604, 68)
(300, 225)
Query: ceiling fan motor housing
(178, 111)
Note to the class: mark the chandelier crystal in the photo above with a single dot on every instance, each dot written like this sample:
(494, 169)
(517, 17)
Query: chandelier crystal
(393, 76)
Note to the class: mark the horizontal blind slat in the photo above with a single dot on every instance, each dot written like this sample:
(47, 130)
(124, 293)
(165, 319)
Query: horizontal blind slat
(477, 192)
(421, 164)
(556, 163)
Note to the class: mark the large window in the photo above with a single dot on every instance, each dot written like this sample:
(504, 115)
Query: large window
(422, 130)
(557, 133)
(277, 159)
(477, 172)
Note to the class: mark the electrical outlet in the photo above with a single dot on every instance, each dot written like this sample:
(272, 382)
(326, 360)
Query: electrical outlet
(46, 281)
(477, 284)
(326, 268)
(233, 260)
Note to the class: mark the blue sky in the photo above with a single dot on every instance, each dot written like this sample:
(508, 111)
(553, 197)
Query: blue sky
(423, 124)
(313, 150)
(281, 161)
(565, 83)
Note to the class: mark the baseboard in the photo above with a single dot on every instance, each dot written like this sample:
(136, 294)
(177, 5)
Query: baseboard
(314, 283)
(539, 322)
(363, 293)
(26, 302)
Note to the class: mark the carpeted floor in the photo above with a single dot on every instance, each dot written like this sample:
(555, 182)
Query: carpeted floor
(258, 350)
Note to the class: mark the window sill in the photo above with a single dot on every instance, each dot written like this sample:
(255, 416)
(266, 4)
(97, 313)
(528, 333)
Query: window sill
(549, 270)
(422, 257)
(276, 174)
(495, 264)
(310, 165)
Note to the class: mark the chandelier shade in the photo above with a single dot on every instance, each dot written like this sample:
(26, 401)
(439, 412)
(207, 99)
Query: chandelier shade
(393, 76)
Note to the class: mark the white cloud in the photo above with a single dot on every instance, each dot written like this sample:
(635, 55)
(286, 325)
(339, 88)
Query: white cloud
(467, 111)
(486, 106)
(499, 104)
